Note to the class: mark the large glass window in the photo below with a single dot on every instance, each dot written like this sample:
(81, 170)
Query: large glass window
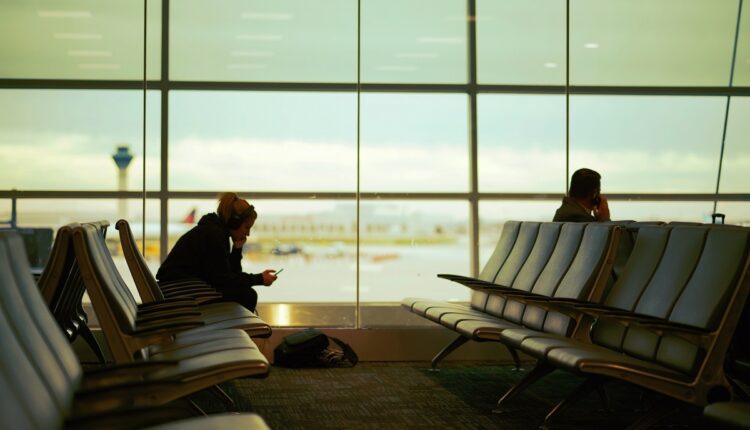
(742, 61)
(646, 42)
(66, 140)
(85, 39)
(648, 144)
(735, 168)
(521, 143)
(414, 41)
(262, 41)
(404, 245)
(519, 42)
(262, 141)
(414, 142)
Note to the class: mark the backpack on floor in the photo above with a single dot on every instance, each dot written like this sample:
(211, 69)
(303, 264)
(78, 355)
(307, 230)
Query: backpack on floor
(312, 348)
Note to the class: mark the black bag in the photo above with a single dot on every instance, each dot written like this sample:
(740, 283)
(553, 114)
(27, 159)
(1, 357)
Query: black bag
(310, 348)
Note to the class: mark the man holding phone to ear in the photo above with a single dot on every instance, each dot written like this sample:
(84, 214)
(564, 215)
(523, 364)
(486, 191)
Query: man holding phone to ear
(584, 201)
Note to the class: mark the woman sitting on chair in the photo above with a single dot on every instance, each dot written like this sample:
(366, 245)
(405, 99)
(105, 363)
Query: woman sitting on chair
(205, 253)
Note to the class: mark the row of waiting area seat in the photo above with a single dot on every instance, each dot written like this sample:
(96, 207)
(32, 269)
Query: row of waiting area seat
(655, 306)
(159, 352)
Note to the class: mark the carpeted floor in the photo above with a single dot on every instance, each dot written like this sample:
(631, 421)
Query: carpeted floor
(408, 396)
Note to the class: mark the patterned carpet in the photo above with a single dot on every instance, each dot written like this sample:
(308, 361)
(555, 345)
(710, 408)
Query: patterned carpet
(407, 396)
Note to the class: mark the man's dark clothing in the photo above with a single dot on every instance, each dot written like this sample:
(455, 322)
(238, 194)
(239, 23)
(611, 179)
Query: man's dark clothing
(205, 253)
(571, 210)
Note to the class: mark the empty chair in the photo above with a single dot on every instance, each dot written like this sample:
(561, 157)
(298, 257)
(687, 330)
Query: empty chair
(62, 288)
(666, 324)
(40, 379)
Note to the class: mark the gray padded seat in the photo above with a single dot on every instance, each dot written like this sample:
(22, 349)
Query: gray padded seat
(489, 272)
(567, 260)
(40, 377)
(481, 301)
(573, 269)
(689, 277)
(729, 414)
(623, 295)
(509, 312)
(245, 421)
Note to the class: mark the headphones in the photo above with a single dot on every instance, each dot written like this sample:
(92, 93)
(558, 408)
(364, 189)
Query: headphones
(236, 220)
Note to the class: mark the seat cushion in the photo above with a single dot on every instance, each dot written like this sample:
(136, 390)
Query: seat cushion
(421, 307)
(593, 359)
(451, 319)
(483, 329)
(245, 421)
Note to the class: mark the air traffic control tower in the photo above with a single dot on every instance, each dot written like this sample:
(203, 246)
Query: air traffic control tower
(122, 159)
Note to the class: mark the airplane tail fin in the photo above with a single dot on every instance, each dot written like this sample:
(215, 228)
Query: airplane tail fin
(190, 217)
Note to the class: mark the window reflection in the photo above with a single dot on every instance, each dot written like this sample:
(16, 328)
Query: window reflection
(414, 41)
(86, 39)
(521, 42)
(643, 42)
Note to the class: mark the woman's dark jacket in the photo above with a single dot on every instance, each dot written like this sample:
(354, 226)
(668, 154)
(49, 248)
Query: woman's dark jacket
(205, 252)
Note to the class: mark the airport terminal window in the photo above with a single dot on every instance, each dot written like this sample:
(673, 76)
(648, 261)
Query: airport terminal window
(414, 41)
(65, 139)
(287, 130)
(263, 141)
(648, 144)
(414, 142)
(521, 42)
(645, 42)
(521, 143)
(742, 62)
(405, 244)
(89, 40)
(736, 163)
(262, 41)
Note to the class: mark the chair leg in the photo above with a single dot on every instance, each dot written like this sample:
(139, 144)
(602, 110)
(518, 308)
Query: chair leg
(539, 371)
(514, 355)
(88, 336)
(197, 409)
(581, 391)
(460, 340)
(604, 397)
(221, 394)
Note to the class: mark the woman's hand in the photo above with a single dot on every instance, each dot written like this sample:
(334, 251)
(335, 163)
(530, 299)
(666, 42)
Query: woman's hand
(268, 277)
